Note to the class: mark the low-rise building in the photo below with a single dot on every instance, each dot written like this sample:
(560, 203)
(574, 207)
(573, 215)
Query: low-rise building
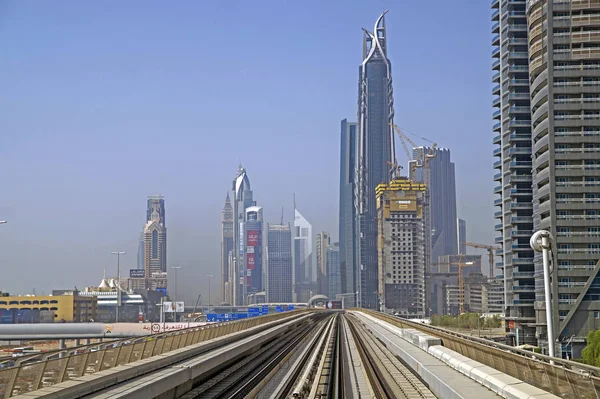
(67, 308)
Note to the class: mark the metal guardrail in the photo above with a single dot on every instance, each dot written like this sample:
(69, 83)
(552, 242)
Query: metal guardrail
(561, 377)
(35, 375)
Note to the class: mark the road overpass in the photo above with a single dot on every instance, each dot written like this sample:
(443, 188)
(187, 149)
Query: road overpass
(305, 354)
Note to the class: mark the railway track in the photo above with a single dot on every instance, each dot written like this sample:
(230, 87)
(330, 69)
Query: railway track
(389, 377)
(314, 362)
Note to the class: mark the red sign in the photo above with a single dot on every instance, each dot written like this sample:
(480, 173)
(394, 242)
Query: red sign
(250, 261)
(511, 324)
(252, 238)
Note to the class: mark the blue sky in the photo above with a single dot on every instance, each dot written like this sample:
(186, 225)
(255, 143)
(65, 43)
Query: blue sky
(104, 103)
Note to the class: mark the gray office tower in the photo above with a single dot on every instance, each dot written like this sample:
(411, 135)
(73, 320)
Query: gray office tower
(334, 281)
(564, 77)
(279, 263)
(349, 271)
(442, 201)
(375, 148)
(512, 131)
(242, 200)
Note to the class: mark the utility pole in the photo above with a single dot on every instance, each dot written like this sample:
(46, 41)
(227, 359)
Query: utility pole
(118, 253)
(209, 276)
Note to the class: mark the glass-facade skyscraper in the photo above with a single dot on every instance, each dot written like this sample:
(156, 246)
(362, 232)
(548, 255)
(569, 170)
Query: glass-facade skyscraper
(279, 263)
(375, 150)
(442, 200)
(334, 281)
(305, 273)
(226, 246)
(349, 272)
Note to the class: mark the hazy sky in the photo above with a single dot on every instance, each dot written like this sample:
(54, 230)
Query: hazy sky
(104, 103)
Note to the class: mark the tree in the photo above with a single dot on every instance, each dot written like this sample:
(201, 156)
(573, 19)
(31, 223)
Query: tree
(591, 353)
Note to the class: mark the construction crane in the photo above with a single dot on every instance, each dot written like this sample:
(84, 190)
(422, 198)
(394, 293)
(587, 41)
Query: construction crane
(394, 169)
(490, 249)
(414, 163)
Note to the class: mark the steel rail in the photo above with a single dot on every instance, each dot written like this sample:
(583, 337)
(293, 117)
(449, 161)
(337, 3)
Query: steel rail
(246, 388)
(303, 382)
(239, 379)
(400, 378)
(356, 370)
(378, 385)
(322, 380)
(287, 382)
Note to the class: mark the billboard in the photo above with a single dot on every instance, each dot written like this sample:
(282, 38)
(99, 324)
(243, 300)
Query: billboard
(252, 240)
(250, 261)
(137, 273)
(173, 307)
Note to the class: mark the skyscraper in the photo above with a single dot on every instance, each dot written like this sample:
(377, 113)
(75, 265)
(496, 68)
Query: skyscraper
(512, 130)
(322, 242)
(226, 246)
(140, 254)
(347, 220)
(155, 244)
(334, 276)
(305, 273)
(564, 78)
(375, 149)
(242, 194)
(442, 200)
(279, 263)
(402, 244)
(253, 243)
(156, 203)
(461, 233)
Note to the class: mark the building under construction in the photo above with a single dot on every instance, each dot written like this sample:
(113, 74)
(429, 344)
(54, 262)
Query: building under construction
(402, 247)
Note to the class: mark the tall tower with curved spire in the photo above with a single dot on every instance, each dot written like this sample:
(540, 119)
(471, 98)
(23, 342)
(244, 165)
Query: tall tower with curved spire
(375, 149)
(242, 199)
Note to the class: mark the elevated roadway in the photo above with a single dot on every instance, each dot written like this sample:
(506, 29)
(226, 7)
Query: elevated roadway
(300, 354)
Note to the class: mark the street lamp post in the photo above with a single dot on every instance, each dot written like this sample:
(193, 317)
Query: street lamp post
(209, 276)
(541, 241)
(118, 253)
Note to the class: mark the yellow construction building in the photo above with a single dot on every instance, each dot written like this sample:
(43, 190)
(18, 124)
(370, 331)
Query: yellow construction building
(402, 247)
(61, 308)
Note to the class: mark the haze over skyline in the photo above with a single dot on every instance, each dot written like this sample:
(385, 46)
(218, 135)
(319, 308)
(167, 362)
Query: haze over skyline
(106, 104)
